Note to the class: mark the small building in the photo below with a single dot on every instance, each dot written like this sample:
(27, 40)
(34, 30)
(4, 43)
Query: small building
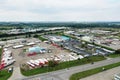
(36, 49)
(86, 38)
(69, 32)
(18, 46)
(31, 43)
(58, 38)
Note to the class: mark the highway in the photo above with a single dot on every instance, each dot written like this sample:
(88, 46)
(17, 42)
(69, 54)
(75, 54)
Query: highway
(64, 74)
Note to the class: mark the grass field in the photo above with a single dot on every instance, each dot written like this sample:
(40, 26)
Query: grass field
(4, 75)
(41, 38)
(78, 76)
(62, 65)
(114, 55)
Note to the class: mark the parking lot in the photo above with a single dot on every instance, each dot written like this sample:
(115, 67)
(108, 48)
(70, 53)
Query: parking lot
(73, 45)
(61, 48)
(21, 54)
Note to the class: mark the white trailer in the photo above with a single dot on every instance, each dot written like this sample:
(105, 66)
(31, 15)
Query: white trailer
(9, 62)
(18, 46)
(31, 43)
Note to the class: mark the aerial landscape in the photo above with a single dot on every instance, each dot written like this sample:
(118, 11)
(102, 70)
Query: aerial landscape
(59, 40)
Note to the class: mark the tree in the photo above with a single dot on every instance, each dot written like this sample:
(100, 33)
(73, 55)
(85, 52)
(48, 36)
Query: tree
(26, 36)
(52, 63)
(61, 46)
(117, 51)
(15, 37)
(35, 36)
(29, 35)
(84, 45)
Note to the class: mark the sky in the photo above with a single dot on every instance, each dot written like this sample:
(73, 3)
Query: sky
(59, 10)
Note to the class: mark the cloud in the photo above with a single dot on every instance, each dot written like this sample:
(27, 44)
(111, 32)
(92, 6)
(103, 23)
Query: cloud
(59, 10)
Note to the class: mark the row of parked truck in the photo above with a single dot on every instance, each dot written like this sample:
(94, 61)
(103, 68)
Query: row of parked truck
(6, 58)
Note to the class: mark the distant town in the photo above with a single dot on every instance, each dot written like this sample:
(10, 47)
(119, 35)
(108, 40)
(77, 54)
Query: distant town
(58, 51)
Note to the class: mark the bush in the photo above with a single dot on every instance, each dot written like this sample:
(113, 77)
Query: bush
(4, 39)
(117, 51)
(52, 63)
(25, 67)
(35, 36)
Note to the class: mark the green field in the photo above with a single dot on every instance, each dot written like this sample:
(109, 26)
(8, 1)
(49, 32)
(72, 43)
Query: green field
(114, 55)
(62, 65)
(42, 38)
(4, 75)
(78, 76)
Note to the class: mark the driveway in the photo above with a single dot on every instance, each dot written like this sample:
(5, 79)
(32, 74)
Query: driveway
(16, 74)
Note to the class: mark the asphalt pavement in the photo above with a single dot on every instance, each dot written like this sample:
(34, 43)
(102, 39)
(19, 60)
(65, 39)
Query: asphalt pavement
(64, 74)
